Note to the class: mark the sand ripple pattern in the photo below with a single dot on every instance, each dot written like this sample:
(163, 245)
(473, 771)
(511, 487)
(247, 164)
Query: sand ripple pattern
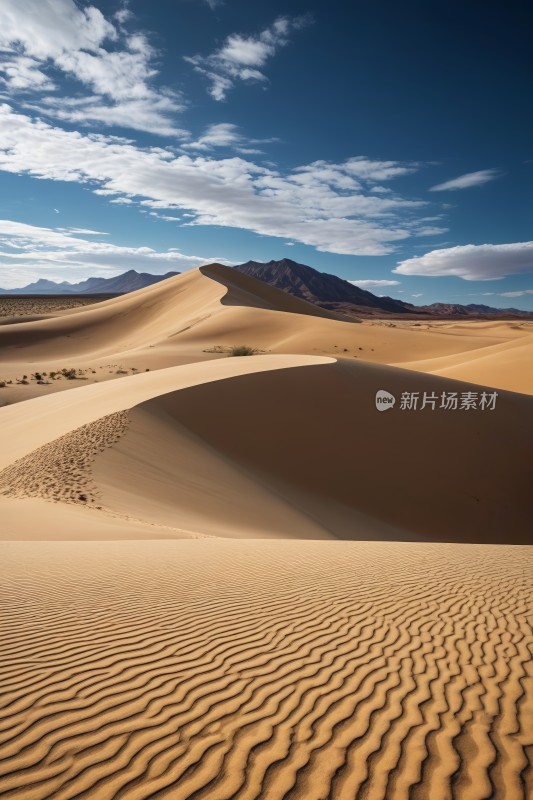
(61, 470)
(255, 669)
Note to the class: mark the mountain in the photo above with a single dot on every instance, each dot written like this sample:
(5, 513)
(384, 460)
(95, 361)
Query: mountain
(456, 309)
(120, 284)
(320, 288)
(335, 294)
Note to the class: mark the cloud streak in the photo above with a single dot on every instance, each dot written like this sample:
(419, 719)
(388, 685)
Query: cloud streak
(483, 262)
(467, 181)
(374, 284)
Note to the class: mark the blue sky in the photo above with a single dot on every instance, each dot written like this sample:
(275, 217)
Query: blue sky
(387, 143)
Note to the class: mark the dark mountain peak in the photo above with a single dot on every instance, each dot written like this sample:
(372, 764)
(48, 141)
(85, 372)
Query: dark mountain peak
(321, 288)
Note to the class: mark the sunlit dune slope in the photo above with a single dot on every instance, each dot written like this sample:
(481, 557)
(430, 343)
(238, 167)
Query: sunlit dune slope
(147, 316)
(508, 365)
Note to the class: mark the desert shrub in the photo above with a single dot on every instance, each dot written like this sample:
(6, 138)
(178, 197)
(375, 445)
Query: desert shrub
(70, 374)
(242, 350)
(3, 384)
(218, 348)
(121, 372)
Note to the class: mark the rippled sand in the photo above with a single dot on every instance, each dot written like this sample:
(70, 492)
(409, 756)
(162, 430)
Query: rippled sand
(224, 669)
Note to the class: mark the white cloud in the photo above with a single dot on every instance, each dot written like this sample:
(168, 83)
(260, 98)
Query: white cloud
(431, 230)
(147, 114)
(417, 295)
(328, 206)
(123, 14)
(28, 252)
(37, 36)
(22, 73)
(521, 293)
(226, 134)
(483, 262)
(165, 217)
(468, 180)
(374, 284)
(241, 58)
(223, 134)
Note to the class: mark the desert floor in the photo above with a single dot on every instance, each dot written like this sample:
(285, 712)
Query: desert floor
(235, 578)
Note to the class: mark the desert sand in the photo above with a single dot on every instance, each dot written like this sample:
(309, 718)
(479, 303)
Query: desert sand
(235, 578)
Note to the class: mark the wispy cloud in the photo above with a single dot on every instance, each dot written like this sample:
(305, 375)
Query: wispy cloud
(325, 205)
(40, 39)
(29, 251)
(483, 262)
(222, 134)
(374, 284)
(519, 293)
(467, 180)
(242, 58)
(226, 135)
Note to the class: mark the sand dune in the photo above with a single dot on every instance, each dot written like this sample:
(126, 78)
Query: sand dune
(507, 365)
(44, 419)
(265, 670)
(241, 662)
(313, 437)
(182, 319)
(288, 446)
(147, 316)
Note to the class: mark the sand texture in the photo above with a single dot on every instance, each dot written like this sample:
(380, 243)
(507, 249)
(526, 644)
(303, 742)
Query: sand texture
(266, 670)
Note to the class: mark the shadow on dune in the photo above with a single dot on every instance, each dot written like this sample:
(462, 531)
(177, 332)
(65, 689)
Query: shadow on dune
(313, 441)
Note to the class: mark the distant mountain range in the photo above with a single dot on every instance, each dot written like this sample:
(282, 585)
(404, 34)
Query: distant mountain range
(336, 294)
(121, 284)
(327, 291)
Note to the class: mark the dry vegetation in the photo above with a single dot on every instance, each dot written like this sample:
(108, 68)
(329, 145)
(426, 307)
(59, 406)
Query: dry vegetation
(42, 305)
